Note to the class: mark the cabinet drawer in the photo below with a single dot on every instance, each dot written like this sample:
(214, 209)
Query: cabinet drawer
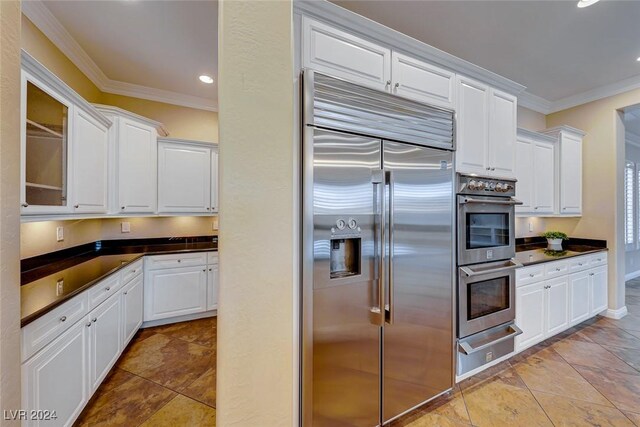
(556, 268)
(598, 259)
(45, 329)
(212, 257)
(99, 292)
(157, 262)
(530, 274)
(579, 263)
(131, 271)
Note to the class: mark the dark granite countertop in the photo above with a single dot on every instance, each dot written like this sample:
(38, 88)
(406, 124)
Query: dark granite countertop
(83, 266)
(531, 251)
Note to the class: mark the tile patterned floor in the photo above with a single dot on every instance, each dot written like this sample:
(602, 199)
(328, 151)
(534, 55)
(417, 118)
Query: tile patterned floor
(166, 377)
(588, 375)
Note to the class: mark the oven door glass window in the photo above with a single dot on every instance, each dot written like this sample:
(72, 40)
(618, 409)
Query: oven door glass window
(487, 297)
(487, 230)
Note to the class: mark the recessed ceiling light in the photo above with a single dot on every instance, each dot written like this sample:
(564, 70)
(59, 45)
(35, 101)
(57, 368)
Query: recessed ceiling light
(585, 3)
(206, 79)
(638, 59)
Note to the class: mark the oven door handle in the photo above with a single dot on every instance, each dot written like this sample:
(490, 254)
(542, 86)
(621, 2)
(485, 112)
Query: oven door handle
(470, 273)
(467, 349)
(511, 201)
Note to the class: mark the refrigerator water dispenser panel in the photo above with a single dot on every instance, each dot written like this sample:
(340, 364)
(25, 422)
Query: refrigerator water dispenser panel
(345, 257)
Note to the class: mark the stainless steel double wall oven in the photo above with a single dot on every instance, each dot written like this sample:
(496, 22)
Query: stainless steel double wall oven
(486, 269)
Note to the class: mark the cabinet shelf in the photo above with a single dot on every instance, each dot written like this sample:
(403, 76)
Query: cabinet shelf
(43, 186)
(45, 129)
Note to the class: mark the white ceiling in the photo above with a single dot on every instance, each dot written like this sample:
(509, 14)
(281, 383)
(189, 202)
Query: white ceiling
(162, 45)
(554, 48)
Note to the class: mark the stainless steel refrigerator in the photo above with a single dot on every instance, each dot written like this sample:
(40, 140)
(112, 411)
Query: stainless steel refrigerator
(378, 254)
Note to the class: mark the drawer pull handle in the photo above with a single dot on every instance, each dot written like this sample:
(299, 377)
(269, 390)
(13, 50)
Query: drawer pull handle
(63, 318)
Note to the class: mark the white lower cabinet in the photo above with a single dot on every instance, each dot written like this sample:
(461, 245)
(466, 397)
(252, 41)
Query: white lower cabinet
(105, 339)
(548, 303)
(132, 308)
(175, 292)
(57, 378)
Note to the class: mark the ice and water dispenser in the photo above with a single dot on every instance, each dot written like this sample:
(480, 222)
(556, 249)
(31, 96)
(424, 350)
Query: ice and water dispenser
(346, 246)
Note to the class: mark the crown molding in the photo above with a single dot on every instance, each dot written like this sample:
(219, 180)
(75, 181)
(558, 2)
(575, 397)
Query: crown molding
(605, 91)
(522, 132)
(534, 102)
(563, 128)
(46, 22)
(111, 110)
(213, 145)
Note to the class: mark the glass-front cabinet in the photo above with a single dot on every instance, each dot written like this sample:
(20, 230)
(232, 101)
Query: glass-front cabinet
(45, 149)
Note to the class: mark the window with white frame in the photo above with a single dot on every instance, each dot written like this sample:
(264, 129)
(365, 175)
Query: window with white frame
(630, 215)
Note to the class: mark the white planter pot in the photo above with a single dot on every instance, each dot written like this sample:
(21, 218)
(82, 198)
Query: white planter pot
(554, 244)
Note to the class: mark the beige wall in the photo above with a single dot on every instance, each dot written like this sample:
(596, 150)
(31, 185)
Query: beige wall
(9, 206)
(37, 238)
(531, 120)
(602, 166)
(181, 122)
(256, 319)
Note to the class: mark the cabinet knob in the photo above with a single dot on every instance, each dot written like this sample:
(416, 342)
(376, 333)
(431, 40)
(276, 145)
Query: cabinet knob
(580, 264)
(25, 205)
(209, 269)
(76, 206)
(63, 318)
(493, 169)
(179, 260)
(535, 207)
(122, 208)
(488, 168)
(388, 83)
(591, 274)
(564, 209)
(126, 293)
(204, 270)
(530, 275)
(94, 320)
(397, 85)
(107, 289)
(557, 269)
(208, 209)
(88, 325)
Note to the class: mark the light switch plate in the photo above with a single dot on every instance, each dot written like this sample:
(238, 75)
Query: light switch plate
(59, 234)
(125, 227)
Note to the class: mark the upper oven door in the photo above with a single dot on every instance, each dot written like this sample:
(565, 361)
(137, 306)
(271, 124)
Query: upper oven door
(486, 229)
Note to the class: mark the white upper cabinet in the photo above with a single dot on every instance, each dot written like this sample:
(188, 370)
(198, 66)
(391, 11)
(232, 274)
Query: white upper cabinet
(568, 169)
(90, 155)
(535, 172)
(184, 177)
(136, 165)
(472, 138)
(187, 176)
(502, 133)
(421, 81)
(340, 54)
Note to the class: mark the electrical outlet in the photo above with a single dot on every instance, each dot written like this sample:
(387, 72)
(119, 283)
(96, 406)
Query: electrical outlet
(530, 226)
(59, 234)
(125, 227)
(214, 224)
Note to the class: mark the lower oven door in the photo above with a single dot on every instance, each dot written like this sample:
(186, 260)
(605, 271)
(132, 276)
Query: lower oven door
(486, 296)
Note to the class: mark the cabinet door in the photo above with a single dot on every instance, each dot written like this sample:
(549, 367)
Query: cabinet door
(340, 54)
(472, 126)
(570, 175)
(557, 305)
(579, 297)
(543, 178)
(214, 181)
(184, 178)
(57, 378)
(175, 292)
(46, 143)
(106, 339)
(137, 167)
(212, 287)
(131, 309)
(530, 314)
(502, 133)
(524, 172)
(89, 164)
(415, 79)
(599, 288)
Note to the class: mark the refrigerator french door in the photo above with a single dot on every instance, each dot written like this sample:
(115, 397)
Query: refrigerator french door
(377, 314)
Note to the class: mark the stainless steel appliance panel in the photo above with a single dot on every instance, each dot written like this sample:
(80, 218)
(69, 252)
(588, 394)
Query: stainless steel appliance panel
(343, 384)
(418, 333)
(486, 346)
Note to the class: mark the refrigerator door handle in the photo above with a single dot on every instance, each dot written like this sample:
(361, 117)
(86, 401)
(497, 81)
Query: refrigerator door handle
(377, 313)
(389, 312)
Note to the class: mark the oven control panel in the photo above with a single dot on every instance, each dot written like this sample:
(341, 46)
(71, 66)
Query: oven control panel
(486, 186)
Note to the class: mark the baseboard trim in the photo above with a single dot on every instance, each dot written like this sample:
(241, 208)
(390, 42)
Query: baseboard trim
(184, 318)
(616, 314)
(632, 275)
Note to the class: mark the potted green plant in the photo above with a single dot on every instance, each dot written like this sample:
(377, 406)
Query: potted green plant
(554, 239)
